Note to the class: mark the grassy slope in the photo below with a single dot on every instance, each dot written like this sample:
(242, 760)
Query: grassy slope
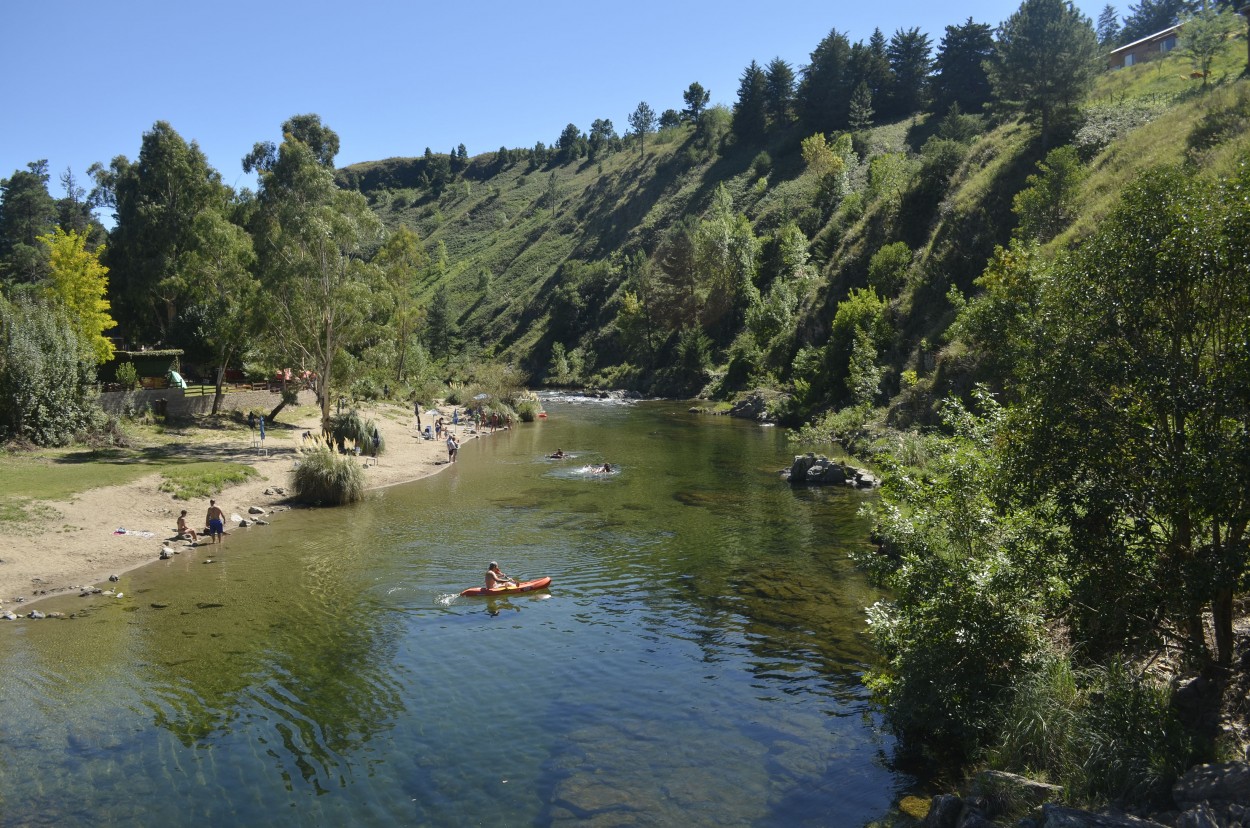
(498, 220)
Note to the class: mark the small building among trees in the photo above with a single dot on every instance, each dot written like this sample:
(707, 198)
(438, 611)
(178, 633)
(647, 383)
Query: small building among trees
(1147, 48)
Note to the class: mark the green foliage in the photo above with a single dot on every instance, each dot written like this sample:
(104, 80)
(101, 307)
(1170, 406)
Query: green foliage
(959, 78)
(1105, 734)
(78, 282)
(762, 165)
(969, 589)
(26, 213)
(195, 481)
(528, 410)
(1104, 123)
(315, 241)
(1221, 123)
(887, 269)
(750, 113)
(127, 376)
(324, 478)
(1203, 35)
(349, 430)
(1048, 202)
(642, 122)
(999, 324)
(47, 375)
(863, 374)
(694, 354)
(1047, 58)
(888, 176)
(863, 312)
(156, 200)
(1134, 408)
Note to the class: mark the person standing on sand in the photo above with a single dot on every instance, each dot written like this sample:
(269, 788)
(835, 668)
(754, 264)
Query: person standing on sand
(216, 521)
(452, 447)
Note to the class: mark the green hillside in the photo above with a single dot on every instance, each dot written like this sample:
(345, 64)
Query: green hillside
(536, 251)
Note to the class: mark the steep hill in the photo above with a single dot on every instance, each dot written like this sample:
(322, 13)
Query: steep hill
(537, 250)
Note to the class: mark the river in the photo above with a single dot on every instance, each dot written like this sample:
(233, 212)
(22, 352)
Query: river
(696, 661)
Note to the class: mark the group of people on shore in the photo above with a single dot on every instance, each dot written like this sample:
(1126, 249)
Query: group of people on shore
(214, 523)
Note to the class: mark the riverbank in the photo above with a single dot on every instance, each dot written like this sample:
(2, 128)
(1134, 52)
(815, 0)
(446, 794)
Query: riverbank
(75, 543)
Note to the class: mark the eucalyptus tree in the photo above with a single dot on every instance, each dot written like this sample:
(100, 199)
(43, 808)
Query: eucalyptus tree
(404, 259)
(155, 201)
(313, 244)
(220, 270)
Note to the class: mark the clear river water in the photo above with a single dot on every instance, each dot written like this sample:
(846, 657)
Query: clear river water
(696, 661)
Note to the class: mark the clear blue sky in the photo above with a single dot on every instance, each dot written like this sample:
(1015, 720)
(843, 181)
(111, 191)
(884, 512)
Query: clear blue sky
(82, 81)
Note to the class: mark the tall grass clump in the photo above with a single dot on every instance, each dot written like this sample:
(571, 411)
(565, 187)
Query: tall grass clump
(527, 410)
(324, 477)
(350, 428)
(1105, 734)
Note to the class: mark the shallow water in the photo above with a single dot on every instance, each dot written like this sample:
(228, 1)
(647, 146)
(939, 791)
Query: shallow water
(696, 661)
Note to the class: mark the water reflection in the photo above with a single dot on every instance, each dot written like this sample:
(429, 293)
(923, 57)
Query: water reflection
(698, 653)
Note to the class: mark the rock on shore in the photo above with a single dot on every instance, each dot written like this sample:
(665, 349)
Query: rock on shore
(817, 470)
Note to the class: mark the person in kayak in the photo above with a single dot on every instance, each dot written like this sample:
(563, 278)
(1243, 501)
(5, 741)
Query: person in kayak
(495, 578)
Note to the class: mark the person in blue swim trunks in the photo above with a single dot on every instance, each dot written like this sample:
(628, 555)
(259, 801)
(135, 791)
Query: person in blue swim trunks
(216, 521)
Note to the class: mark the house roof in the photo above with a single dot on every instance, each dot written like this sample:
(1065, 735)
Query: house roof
(1156, 36)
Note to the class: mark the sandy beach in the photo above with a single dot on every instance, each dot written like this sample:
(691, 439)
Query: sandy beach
(80, 547)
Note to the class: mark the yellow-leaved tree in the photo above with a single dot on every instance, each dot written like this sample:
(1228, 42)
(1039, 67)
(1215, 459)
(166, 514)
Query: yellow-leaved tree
(80, 282)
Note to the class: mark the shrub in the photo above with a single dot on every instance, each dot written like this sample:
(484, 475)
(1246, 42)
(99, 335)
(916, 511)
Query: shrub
(350, 428)
(325, 478)
(1105, 123)
(887, 270)
(528, 410)
(1104, 733)
(127, 376)
(762, 165)
(47, 376)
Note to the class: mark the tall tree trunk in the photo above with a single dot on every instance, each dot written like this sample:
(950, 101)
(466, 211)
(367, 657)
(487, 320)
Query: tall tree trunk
(1222, 612)
(223, 359)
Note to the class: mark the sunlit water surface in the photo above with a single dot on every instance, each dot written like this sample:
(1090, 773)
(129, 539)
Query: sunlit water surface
(697, 660)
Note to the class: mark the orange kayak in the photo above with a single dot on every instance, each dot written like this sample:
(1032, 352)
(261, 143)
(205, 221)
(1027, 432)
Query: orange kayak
(523, 586)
